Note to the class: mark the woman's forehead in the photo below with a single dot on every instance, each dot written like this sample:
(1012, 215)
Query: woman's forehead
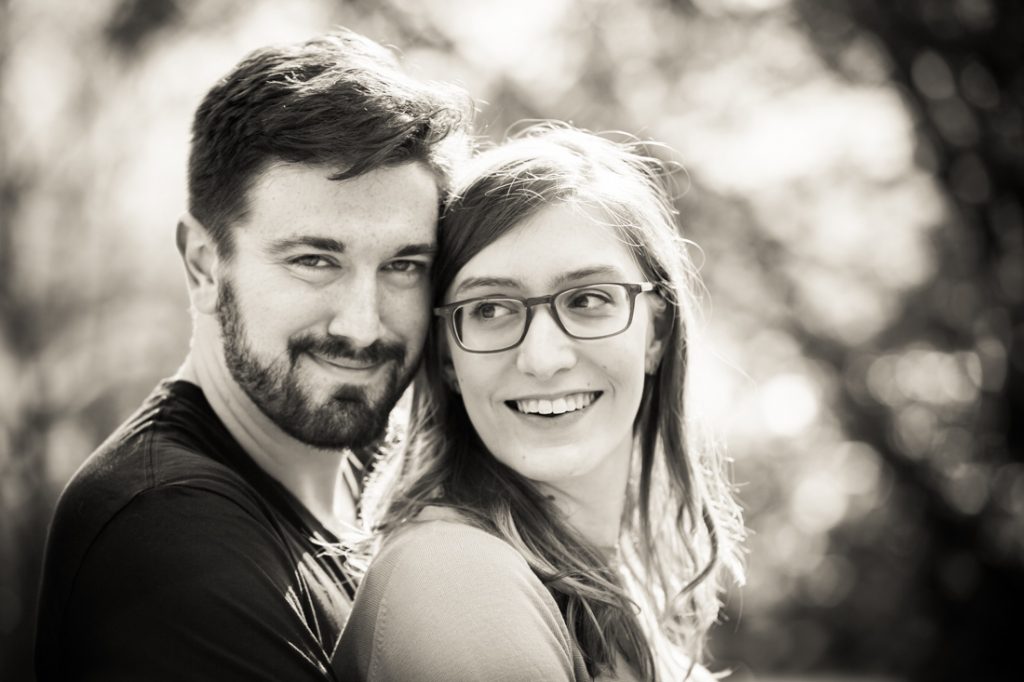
(558, 244)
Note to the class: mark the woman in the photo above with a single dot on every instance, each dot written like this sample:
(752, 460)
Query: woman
(553, 516)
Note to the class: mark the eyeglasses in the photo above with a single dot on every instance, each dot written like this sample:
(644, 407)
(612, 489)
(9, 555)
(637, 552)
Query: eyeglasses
(491, 324)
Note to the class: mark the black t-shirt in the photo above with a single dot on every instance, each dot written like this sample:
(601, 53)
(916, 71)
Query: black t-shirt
(173, 556)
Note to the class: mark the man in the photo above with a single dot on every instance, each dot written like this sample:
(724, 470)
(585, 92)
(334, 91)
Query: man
(195, 543)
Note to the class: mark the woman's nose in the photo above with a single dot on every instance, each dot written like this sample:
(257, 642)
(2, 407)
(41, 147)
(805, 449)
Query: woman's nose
(546, 350)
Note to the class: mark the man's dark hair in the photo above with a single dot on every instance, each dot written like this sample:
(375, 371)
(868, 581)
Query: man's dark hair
(340, 101)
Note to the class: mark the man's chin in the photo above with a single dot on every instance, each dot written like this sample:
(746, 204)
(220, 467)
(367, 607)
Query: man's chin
(329, 415)
(346, 425)
(347, 418)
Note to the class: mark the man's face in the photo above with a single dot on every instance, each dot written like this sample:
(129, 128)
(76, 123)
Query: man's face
(324, 303)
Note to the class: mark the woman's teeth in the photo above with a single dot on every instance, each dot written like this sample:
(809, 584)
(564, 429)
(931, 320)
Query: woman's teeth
(568, 403)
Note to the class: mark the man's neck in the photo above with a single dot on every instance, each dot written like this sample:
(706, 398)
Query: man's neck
(315, 476)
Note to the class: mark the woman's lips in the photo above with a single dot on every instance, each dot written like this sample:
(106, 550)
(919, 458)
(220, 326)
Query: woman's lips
(555, 406)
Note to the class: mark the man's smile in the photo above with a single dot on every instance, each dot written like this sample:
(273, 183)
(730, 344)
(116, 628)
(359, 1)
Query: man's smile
(348, 364)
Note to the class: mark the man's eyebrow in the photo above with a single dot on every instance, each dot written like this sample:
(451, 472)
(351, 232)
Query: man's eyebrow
(287, 244)
(424, 249)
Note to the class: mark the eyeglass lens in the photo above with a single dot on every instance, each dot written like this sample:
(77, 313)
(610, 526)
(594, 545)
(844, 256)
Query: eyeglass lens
(584, 312)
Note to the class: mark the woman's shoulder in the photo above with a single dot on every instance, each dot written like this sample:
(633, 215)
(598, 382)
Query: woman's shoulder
(442, 551)
(447, 527)
(443, 595)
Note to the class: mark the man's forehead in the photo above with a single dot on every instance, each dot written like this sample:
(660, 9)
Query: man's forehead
(390, 208)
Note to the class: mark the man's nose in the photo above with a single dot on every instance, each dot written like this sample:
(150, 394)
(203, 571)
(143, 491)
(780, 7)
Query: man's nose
(356, 311)
(546, 350)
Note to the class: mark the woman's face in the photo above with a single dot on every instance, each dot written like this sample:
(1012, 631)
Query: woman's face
(591, 389)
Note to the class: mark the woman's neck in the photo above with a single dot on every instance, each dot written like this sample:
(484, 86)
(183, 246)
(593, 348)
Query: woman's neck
(593, 504)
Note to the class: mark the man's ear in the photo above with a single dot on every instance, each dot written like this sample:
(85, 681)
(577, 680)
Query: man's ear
(199, 254)
(658, 330)
(447, 368)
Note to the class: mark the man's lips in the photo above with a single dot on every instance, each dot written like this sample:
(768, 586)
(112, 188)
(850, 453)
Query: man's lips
(348, 364)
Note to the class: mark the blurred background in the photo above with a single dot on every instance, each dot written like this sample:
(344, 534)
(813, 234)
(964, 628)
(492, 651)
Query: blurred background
(854, 178)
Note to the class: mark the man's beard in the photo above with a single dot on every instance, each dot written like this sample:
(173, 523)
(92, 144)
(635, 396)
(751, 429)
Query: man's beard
(347, 419)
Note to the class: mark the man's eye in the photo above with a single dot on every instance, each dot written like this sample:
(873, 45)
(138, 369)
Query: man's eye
(408, 267)
(312, 261)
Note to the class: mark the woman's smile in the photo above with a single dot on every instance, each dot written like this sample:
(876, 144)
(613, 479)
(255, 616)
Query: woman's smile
(555, 406)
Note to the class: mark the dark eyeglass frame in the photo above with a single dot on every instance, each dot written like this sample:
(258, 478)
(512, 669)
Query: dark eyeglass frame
(447, 311)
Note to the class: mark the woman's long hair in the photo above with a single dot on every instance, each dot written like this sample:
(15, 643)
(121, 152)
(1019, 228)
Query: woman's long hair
(681, 525)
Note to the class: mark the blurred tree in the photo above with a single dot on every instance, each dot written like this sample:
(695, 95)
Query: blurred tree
(854, 173)
(57, 400)
(133, 21)
(958, 66)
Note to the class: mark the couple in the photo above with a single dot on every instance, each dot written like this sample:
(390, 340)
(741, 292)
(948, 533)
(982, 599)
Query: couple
(546, 516)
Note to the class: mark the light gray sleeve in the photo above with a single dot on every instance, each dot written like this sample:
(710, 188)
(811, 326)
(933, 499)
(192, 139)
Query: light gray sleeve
(447, 602)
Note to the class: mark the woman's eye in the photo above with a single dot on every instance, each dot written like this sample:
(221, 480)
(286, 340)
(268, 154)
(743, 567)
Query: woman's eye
(490, 310)
(589, 300)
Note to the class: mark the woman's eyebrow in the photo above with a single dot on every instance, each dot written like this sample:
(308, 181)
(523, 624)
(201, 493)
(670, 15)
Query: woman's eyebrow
(609, 271)
(474, 282)
(590, 271)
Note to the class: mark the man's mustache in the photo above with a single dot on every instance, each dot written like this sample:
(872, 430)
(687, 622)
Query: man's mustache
(340, 348)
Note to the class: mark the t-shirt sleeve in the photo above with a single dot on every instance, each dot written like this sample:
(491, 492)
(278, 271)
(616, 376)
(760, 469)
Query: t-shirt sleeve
(445, 601)
(185, 583)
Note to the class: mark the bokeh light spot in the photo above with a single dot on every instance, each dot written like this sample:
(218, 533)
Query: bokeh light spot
(818, 503)
(789, 404)
(932, 77)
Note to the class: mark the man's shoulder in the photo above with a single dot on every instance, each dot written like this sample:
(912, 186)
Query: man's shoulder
(159, 445)
(147, 455)
(140, 493)
(148, 477)
(181, 562)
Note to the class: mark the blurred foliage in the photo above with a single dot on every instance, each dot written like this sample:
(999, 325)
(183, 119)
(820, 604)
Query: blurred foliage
(854, 176)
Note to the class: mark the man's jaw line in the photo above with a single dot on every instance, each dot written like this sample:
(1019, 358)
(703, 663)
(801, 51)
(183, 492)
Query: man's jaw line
(310, 473)
(256, 431)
